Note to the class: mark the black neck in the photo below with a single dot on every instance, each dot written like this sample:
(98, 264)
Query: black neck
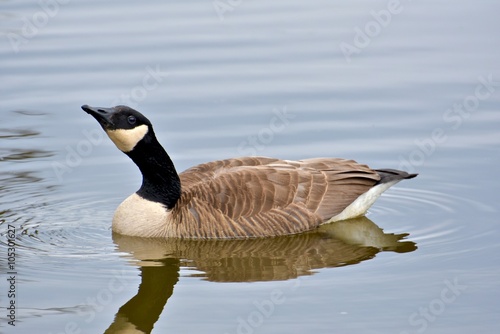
(160, 181)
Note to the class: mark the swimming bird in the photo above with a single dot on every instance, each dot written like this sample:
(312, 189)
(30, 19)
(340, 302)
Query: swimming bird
(234, 198)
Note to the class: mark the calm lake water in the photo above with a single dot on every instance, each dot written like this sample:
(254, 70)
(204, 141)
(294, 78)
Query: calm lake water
(395, 84)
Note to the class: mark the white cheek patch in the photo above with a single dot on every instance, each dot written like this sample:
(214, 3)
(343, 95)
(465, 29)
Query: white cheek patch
(126, 140)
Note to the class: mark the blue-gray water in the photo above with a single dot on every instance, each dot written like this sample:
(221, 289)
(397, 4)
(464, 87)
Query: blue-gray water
(409, 84)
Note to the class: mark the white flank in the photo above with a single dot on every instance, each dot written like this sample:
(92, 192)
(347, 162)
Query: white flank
(126, 140)
(138, 217)
(362, 203)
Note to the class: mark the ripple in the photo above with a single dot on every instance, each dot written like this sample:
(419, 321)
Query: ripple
(30, 112)
(14, 136)
(17, 133)
(55, 228)
(23, 154)
(438, 233)
(56, 219)
(413, 200)
(438, 226)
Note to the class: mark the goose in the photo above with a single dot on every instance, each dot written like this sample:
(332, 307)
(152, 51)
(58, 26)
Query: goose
(246, 197)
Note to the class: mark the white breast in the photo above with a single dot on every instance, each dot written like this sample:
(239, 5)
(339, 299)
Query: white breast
(136, 216)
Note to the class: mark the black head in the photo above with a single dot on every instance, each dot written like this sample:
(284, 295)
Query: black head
(119, 117)
(124, 125)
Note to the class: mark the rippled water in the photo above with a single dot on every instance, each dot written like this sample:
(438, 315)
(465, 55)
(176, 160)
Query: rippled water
(420, 91)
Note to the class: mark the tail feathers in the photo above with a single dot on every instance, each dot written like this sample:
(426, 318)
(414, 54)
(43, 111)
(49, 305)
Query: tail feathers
(389, 175)
(388, 178)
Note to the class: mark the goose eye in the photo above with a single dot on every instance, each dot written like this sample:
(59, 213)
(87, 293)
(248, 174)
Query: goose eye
(131, 120)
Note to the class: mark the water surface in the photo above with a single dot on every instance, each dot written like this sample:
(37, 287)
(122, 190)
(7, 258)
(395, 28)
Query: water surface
(420, 92)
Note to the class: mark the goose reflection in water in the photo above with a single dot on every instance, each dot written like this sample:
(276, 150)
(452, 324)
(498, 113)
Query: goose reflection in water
(248, 260)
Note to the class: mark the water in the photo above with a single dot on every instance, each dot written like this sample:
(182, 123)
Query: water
(257, 78)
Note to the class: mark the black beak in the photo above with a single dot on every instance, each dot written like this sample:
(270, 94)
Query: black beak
(102, 115)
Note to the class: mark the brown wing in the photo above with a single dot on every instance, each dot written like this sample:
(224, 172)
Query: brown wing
(256, 196)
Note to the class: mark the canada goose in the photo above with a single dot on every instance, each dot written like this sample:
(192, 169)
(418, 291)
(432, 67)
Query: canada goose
(234, 198)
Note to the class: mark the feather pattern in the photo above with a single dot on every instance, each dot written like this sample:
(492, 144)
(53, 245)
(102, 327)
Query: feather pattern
(258, 196)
